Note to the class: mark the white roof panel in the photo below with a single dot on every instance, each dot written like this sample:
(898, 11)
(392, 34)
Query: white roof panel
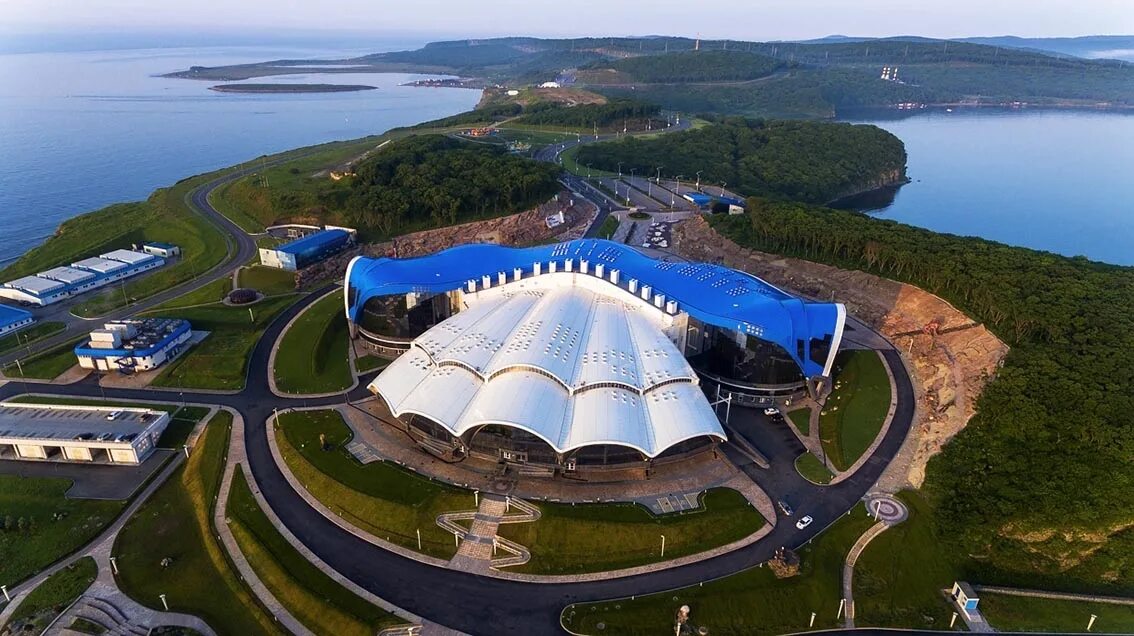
(34, 284)
(100, 265)
(128, 256)
(572, 365)
(68, 275)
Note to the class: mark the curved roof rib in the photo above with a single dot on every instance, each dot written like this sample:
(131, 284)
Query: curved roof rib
(713, 294)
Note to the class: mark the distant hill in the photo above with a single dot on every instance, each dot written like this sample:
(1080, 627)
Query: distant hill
(1116, 47)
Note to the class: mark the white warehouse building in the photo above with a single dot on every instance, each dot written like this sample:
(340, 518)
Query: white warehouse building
(89, 434)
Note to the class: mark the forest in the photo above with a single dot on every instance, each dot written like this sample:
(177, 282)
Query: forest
(697, 66)
(434, 180)
(611, 113)
(797, 160)
(1039, 488)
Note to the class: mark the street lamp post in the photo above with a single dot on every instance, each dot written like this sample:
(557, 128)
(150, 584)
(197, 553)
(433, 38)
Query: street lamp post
(699, 180)
(662, 546)
(619, 169)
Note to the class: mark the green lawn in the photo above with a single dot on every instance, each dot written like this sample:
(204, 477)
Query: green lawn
(53, 525)
(1029, 614)
(608, 228)
(313, 356)
(214, 292)
(812, 469)
(856, 409)
(267, 280)
(898, 577)
(370, 363)
(563, 541)
(47, 365)
(314, 598)
(51, 597)
(29, 335)
(221, 360)
(750, 603)
(801, 418)
(381, 498)
(176, 522)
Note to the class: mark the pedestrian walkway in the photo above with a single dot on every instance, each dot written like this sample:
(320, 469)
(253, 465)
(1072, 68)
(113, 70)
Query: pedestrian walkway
(889, 512)
(479, 545)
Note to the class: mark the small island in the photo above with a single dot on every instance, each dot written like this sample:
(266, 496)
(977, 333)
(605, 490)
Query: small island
(290, 88)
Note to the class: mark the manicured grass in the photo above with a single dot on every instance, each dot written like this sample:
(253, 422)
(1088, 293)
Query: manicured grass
(812, 469)
(856, 409)
(221, 360)
(370, 363)
(313, 356)
(801, 418)
(51, 597)
(1029, 614)
(752, 602)
(29, 335)
(564, 539)
(380, 498)
(47, 365)
(176, 522)
(53, 525)
(267, 280)
(898, 577)
(214, 292)
(608, 228)
(314, 598)
(84, 626)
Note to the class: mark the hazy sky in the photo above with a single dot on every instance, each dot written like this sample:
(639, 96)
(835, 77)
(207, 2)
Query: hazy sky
(736, 19)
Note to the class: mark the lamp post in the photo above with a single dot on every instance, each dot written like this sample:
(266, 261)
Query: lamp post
(662, 546)
(619, 169)
(163, 602)
(699, 179)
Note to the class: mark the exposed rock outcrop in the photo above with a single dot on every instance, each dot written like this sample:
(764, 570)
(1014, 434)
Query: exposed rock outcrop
(950, 356)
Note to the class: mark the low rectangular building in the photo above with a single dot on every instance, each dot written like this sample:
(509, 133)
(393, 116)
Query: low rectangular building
(13, 319)
(130, 346)
(307, 250)
(164, 250)
(91, 434)
(61, 283)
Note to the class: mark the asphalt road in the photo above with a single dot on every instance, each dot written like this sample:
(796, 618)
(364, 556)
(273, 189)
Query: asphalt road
(483, 605)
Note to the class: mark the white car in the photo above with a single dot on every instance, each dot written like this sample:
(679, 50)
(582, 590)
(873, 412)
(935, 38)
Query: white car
(771, 410)
(803, 522)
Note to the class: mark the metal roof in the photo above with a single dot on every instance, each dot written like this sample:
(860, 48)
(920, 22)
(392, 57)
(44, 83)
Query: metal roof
(47, 422)
(322, 237)
(572, 361)
(11, 315)
(67, 275)
(128, 256)
(711, 293)
(100, 265)
(34, 284)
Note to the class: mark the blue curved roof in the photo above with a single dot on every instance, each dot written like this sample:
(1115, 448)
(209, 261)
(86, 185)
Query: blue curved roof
(711, 293)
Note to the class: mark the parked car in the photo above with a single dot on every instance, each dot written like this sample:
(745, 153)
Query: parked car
(83, 436)
(771, 410)
(785, 508)
(105, 436)
(803, 522)
(113, 415)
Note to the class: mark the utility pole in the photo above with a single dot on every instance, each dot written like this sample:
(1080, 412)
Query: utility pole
(662, 546)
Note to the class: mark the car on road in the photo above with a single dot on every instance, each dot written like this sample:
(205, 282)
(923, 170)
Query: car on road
(785, 508)
(803, 522)
(771, 410)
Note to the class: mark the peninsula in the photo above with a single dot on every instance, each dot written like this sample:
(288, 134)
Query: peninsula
(290, 88)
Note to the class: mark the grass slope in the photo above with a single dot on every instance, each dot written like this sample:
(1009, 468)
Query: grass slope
(381, 498)
(313, 354)
(47, 365)
(812, 469)
(176, 522)
(53, 525)
(1027, 614)
(750, 603)
(29, 335)
(563, 541)
(856, 409)
(51, 597)
(221, 360)
(314, 598)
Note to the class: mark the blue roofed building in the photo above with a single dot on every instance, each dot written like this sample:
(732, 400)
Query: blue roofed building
(13, 319)
(130, 346)
(579, 353)
(64, 282)
(308, 249)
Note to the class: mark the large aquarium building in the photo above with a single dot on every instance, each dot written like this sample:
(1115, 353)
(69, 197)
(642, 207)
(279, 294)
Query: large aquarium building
(581, 354)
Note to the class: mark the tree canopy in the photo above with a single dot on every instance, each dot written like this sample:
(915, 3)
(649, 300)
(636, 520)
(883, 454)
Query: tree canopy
(613, 112)
(1040, 484)
(798, 160)
(698, 66)
(434, 180)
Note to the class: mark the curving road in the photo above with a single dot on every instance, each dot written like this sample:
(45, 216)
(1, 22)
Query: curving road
(473, 603)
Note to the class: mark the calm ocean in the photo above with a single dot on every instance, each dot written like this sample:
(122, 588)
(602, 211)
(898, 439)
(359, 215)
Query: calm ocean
(82, 130)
